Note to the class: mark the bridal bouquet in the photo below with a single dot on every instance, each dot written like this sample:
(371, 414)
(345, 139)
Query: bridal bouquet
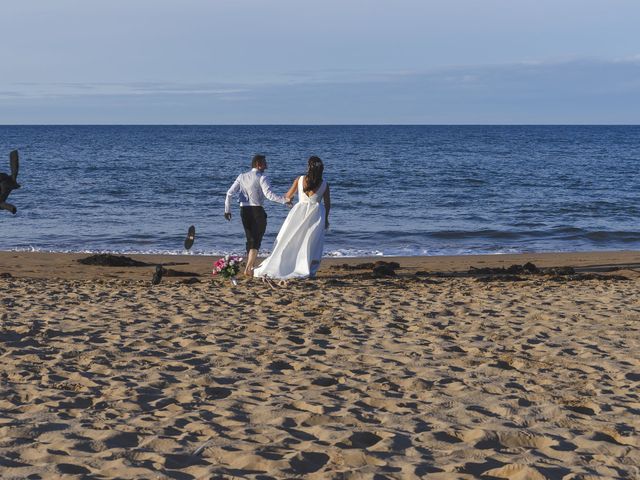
(227, 266)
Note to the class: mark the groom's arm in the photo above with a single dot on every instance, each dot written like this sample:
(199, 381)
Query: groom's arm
(268, 193)
(235, 188)
(327, 206)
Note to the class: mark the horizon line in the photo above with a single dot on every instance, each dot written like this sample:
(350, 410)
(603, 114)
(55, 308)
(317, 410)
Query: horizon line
(319, 124)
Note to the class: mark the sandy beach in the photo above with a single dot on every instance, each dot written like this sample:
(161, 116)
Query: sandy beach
(438, 371)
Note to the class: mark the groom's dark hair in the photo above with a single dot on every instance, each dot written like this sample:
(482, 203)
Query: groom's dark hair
(258, 160)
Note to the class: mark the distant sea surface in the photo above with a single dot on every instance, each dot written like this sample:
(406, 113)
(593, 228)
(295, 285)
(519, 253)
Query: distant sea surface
(396, 190)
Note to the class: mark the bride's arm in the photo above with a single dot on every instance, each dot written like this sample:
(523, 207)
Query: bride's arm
(327, 206)
(292, 191)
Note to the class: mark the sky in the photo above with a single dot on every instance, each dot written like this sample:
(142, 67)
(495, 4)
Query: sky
(312, 62)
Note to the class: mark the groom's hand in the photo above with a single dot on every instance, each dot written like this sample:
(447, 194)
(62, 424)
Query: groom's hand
(227, 216)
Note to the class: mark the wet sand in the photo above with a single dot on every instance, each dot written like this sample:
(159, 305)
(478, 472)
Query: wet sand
(428, 374)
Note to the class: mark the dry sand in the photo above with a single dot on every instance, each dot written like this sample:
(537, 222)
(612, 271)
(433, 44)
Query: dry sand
(103, 375)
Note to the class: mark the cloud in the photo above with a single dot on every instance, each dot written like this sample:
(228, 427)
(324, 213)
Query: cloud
(77, 89)
(559, 91)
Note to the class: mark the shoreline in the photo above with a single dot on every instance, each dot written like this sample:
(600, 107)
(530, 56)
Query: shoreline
(65, 265)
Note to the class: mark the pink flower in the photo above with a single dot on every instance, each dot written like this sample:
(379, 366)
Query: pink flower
(228, 266)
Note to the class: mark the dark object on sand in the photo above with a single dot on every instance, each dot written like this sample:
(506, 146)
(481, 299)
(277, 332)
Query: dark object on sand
(367, 266)
(157, 276)
(6, 275)
(191, 236)
(167, 272)
(578, 277)
(560, 271)
(385, 269)
(190, 281)
(108, 260)
(8, 183)
(360, 266)
(512, 270)
(500, 278)
(392, 265)
(378, 269)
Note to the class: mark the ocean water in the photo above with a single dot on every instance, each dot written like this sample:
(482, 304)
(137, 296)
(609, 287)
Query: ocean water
(396, 190)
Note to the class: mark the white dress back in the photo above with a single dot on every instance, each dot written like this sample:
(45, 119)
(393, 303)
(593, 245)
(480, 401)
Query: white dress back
(298, 248)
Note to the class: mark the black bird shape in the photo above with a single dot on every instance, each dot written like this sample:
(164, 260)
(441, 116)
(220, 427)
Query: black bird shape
(9, 183)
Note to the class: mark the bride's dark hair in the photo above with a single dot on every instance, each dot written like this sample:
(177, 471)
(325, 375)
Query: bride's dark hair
(314, 174)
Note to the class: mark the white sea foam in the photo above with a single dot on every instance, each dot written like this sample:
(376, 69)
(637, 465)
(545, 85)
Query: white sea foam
(338, 253)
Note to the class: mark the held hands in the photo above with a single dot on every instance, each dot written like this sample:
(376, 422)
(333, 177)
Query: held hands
(289, 202)
(227, 217)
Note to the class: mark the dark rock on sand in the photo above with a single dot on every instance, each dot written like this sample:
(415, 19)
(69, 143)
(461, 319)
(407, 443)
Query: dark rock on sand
(559, 271)
(578, 277)
(383, 271)
(359, 266)
(190, 281)
(393, 265)
(500, 278)
(378, 269)
(108, 260)
(512, 270)
(334, 282)
(6, 275)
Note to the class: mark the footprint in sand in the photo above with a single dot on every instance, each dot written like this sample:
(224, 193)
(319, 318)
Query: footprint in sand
(296, 339)
(324, 381)
(362, 440)
(217, 393)
(71, 469)
(612, 436)
(582, 407)
(122, 440)
(515, 471)
(447, 437)
(279, 365)
(524, 440)
(308, 462)
(308, 407)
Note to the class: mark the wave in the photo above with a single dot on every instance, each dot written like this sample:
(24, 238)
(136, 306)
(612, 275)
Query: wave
(606, 236)
(341, 252)
(557, 233)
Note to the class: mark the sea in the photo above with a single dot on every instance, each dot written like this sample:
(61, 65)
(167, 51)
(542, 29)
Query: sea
(395, 190)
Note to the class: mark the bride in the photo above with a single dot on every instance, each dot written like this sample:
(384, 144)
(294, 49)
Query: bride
(297, 250)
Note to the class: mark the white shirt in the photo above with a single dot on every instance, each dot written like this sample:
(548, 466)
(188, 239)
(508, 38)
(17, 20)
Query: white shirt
(253, 187)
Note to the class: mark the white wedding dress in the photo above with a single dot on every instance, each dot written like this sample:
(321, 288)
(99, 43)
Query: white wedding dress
(297, 250)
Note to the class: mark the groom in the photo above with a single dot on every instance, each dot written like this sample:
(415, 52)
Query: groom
(252, 187)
